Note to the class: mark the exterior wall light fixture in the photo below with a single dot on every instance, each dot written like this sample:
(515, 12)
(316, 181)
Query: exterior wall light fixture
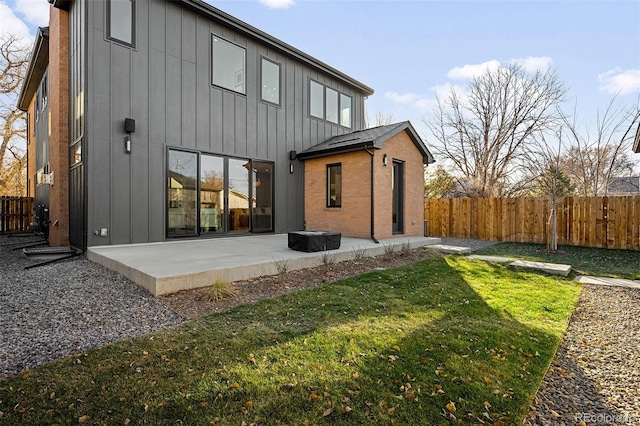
(384, 160)
(129, 127)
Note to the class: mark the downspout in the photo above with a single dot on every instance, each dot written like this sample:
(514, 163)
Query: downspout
(372, 197)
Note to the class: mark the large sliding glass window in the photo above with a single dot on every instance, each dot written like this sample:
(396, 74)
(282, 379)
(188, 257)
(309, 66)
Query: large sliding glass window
(261, 208)
(239, 194)
(227, 65)
(121, 15)
(183, 193)
(211, 194)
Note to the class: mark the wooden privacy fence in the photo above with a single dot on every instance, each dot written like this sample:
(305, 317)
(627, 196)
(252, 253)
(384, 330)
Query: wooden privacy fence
(15, 214)
(611, 222)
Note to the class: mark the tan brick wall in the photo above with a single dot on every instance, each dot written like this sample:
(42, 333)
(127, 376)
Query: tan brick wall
(353, 219)
(401, 148)
(59, 125)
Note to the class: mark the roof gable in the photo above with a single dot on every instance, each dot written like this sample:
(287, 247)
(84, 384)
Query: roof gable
(217, 15)
(37, 66)
(372, 138)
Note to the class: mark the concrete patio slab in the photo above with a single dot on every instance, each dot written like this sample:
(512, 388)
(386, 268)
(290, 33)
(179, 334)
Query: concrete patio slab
(168, 267)
(550, 268)
(498, 259)
(617, 282)
(443, 248)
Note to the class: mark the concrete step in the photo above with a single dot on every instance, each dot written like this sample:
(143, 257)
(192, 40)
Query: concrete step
(550, 268)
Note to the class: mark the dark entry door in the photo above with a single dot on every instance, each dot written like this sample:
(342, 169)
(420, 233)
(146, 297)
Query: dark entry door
(397, 186)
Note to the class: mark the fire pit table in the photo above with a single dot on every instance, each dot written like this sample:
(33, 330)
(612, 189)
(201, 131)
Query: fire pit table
(312, 241)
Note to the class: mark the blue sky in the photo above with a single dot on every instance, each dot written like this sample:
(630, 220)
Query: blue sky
(409, 51)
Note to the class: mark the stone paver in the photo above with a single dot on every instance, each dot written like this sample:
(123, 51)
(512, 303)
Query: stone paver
(550, 268)
(617, 282)
(443, 248)
(498, 259)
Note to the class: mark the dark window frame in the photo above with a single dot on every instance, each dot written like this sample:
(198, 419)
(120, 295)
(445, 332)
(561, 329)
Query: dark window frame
(131, 43)
(279, 65)
(330, 202)
(227, 232)
(340, 95)
(244, 66)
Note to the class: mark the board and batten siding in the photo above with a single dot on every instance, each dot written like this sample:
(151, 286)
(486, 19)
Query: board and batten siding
(164, 83)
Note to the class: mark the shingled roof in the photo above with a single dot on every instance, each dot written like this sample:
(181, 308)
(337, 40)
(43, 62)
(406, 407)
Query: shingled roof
(372, 138)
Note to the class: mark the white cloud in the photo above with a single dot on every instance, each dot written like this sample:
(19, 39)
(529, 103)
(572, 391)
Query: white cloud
(278, 4)
(533, 63)
(401, 99)
(35, 12)
(11, 24)
(618, 81)
(470, 71)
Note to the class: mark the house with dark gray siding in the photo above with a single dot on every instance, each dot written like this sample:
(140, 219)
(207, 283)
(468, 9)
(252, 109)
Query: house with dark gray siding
(151, 120)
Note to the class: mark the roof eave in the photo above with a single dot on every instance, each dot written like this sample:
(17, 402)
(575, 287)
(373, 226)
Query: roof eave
(636, 143)
(334, 151)
(61, 4)
(37, 66)
(406, 126)
(205, 9)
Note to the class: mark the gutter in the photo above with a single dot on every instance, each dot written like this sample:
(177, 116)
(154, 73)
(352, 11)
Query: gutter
(372, 197)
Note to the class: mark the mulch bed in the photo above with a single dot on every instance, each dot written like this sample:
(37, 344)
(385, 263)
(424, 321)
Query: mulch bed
(195, 303)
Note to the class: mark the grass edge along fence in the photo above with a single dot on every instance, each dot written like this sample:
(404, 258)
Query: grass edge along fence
(15, 214)
(606, 222)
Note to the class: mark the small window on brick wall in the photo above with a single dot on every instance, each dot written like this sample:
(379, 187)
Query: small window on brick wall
(334, 185)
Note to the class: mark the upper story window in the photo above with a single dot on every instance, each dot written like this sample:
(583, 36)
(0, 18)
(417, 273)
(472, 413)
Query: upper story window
(270, 81)
(121, 21)
(334, 185)
(228, 65)
(42, 97)
(329, 104)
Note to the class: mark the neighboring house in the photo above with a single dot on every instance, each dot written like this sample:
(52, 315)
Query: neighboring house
(155, 119)
(627, 185)
(636, 141)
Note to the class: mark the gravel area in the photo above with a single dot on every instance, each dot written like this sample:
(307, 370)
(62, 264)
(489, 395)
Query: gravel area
(67, 307)
(595, 375)
(71, 306)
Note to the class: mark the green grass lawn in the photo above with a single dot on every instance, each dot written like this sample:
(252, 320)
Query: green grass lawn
(443, 339)
(584, 260)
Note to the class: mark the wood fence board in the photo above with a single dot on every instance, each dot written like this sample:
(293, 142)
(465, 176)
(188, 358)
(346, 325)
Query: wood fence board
(612, 222)
(15, 214)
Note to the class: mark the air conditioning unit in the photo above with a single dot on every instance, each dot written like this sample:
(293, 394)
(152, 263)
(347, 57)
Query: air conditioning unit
(47, 178)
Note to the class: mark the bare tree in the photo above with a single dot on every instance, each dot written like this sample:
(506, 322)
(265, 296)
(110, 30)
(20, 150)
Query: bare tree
(485, 130)
(595, 156)
(14, 59)
(547, 178)
(381, 119)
